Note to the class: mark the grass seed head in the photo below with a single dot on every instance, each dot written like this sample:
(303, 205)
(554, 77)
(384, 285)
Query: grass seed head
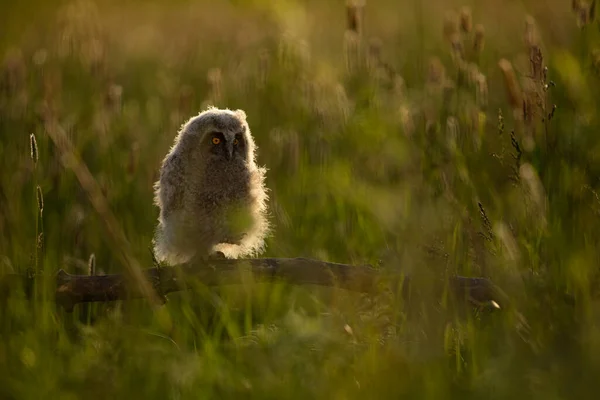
(375, 50)
(450, 28)
(452, 132)
(92, 264)
(436, 73)
(354, 17)
(40, 241)
(513, 90)
(583, 16)
(40, 199)
(466, 20)
(482, 90)
(479, 39)
(530, 36)
(458, 50)
(33, 148)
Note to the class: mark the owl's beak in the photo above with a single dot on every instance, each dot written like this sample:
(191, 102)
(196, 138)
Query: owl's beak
(229, 152)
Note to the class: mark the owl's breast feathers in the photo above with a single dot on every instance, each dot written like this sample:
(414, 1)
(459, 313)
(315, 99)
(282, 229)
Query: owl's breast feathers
(224, 187)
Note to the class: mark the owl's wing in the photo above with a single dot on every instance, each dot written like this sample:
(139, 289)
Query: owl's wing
(170, 186)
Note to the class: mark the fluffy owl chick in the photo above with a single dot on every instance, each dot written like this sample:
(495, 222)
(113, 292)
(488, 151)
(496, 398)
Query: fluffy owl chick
(211, 193)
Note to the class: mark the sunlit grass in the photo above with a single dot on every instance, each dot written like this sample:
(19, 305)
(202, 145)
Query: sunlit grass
(422, 139)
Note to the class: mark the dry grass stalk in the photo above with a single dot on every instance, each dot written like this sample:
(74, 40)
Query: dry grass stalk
(466, 20)
(374, 53)
(458, 51)
(513, 90)
(536, 61)
(482, 93)
(448, 91)
(114, 97)
(133, 159)
(264, 66)
(596, 60)
(354, 16)
(214, 77)
(450, 28)
(534, 89)
(352, 50)
(407, 121)
(452, 132)
(531, 35)
(585, 12)
(436, 73)
(115, 234)
(472, 73)
(479, 39)
(352, 36)
(583, 16)
(40, 199)
(399, 86)
(535, 191)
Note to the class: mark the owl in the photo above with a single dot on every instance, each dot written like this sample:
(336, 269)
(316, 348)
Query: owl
(211, 193)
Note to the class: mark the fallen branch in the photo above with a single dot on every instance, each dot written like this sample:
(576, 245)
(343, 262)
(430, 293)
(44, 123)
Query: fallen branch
(74, 289)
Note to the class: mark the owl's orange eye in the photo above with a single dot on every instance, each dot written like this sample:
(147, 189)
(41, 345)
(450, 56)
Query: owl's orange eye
(235, 141)
(216, 140)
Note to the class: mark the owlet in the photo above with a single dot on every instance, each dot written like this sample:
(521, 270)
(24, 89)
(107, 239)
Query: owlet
(211, 193)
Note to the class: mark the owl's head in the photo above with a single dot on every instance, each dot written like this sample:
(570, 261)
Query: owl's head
(220, 134)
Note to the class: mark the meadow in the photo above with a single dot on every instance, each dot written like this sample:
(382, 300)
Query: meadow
(428, 138)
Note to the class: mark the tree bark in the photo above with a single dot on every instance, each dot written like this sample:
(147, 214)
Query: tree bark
(74, 289)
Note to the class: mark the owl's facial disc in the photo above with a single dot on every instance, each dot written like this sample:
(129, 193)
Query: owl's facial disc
(216, 141)
(240, 148)
(228, 146)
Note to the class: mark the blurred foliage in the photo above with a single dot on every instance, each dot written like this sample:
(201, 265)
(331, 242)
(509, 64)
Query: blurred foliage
(424, 137)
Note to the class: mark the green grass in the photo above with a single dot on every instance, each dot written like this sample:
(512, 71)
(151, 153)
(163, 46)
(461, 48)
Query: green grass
(422, 176)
